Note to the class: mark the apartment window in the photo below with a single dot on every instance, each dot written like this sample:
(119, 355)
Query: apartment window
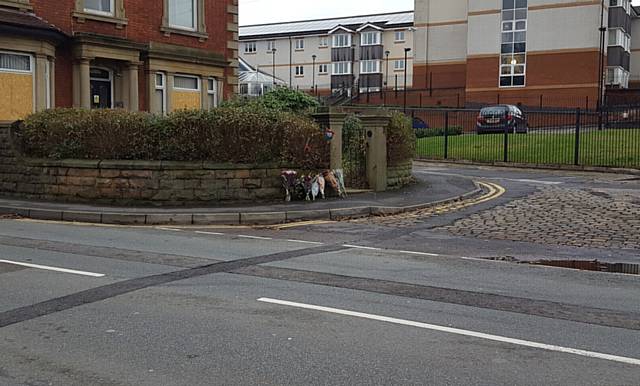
(104, 7)
(617, 37)
(341, 68)
(10, 62)
(250, 47)
(271, 45)
(398, 65)
(299, 70)
(323, 69)
(324, 42)
(399, 36)
(183, 14)
(212, 92)
(514, 43)
(370, 38)
(626, 4)
(341, 40)
(186, 82)
(370, 66)
(299, 44)
(617, 76)
(161, 92)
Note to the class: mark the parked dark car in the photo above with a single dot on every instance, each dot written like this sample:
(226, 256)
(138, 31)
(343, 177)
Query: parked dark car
(496, 119)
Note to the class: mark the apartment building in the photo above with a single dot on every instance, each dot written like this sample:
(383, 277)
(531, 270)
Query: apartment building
(523, 49)
(324, 56)
(156, 56)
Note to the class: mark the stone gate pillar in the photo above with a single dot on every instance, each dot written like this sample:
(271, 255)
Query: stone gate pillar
(376, 133)
(333, 121)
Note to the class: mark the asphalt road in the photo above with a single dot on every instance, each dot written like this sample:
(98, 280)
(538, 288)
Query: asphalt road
(382, 301)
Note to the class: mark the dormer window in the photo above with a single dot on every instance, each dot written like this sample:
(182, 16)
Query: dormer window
(371, 38)
(341, 40)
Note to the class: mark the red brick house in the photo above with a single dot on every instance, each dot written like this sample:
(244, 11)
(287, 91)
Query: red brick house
(152, 55)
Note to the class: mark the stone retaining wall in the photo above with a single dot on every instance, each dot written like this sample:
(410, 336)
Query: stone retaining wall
(138, 182)
(399, 175)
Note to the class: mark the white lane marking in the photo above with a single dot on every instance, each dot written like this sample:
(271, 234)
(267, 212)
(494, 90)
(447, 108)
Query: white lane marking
(254, 237)
(457, 331)
(417, 253)
(56, 269)
(359, 247)
(533, 181)
(305, 242)
(171, 229)
(523, 180)
(210, 233)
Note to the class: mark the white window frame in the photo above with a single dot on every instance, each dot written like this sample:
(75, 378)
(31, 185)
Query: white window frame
(181, 27)
(322, 67)
(112, 6)
(299, 44)
(213, 92)
(271, 45)
(370, 38)
(370, 66)
(31, 63)
(299, 70)
(345, 67)
(399, 65)
(47, 85)
(324, 42)
(335, 40)
(509, 27)
(250, 47)
(199, 87)
(401, 34)
(162, 88)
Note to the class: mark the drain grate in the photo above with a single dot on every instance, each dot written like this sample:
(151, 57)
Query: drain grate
(593, 265)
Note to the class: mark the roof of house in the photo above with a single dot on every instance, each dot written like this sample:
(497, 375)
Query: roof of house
(14, 19)
(323, 26)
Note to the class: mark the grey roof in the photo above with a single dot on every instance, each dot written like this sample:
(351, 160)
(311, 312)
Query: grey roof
(307, 27)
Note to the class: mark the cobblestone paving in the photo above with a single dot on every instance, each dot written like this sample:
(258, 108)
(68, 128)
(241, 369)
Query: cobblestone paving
(598, 218)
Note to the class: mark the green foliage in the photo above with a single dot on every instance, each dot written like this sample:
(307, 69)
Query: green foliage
(280, 99)
(354, 150)
(438, 132)
(401, 139)
(239, 134)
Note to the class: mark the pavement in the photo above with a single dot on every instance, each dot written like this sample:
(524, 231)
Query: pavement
(398, 299)
(426, 192)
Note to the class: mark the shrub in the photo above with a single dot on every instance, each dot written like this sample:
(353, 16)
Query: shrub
(241, 134)
(280, 99)
(401, 139)
(438, 132)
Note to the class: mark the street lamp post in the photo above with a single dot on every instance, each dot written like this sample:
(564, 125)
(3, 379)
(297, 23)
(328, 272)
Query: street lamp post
(313, 86)
(273, 53)
(406, 52)
(386, 82)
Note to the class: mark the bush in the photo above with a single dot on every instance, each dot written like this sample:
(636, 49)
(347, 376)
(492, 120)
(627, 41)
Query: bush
(438, 132)
(241, 134)
(401, 139)
(281, 99)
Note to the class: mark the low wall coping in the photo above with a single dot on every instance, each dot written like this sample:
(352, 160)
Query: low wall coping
(145, 165)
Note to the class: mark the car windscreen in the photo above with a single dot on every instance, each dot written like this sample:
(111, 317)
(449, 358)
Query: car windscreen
(498, 110)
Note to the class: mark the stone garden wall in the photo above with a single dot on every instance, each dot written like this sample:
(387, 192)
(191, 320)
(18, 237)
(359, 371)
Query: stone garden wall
(134, 182)
(399, 175)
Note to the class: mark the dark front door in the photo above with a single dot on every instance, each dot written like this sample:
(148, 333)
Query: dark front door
(100, 94)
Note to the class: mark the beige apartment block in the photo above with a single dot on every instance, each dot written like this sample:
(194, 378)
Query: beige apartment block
(333, 55)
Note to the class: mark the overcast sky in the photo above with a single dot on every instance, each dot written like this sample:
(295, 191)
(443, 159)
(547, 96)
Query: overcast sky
(272, 11)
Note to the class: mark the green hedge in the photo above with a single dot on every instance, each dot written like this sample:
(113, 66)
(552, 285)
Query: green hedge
(438, 132)
(401, 139)
(235, 134)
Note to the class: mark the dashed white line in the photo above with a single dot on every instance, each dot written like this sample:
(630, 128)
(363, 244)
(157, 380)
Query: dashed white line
(254, 237)
(305, 242)
(457, 331)
(360, 247)
(418, 253)
(210, 233)
(171, 229)
(55, 269)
